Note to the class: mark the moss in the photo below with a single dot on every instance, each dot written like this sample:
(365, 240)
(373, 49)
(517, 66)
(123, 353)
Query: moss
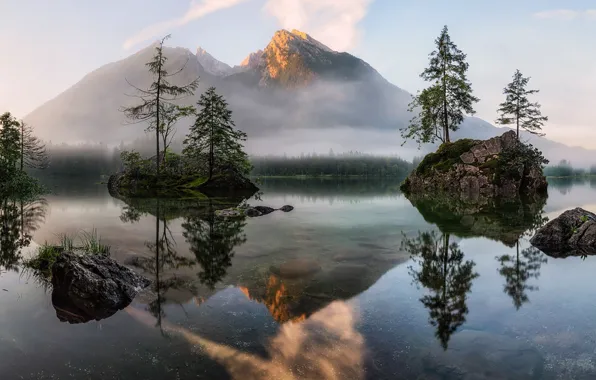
(445, 157)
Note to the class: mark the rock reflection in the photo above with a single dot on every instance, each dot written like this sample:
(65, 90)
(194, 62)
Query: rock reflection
(503, 221)
(325, 346)
(441, 269)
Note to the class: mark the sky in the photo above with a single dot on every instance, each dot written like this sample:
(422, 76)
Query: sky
(50, 45)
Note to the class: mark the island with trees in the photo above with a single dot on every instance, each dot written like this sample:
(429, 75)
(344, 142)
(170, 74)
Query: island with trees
(503, 166)
(213, 162)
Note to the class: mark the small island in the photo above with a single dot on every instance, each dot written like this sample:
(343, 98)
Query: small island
(213, 162)
(471, 169)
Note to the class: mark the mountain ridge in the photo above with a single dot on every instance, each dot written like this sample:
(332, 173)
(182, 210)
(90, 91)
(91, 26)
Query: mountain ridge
(294, 84)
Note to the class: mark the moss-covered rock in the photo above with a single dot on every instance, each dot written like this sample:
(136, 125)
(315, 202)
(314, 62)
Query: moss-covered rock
(476, 169)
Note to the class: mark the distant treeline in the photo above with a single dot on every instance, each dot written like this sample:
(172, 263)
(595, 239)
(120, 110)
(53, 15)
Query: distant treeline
(565, 169)
(338, 165)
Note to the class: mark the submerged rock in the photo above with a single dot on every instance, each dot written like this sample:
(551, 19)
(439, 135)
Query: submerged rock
(251, 212)
(286, 208)
(87, 287)
(571, 233)
(229, 213)
(473, 169)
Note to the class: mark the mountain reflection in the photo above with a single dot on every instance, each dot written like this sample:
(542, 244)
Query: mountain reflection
(19, 219)
(441, 269)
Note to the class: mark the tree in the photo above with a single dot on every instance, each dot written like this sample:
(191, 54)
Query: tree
(159, 96)
(442, 105)
(518, 110)
(442, 271)
(10, 137)
(170, 115)
(213, 136)
(33, 150)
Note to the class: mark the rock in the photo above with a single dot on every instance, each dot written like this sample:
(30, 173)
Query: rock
(227, 182)
(229, 213)
(475, 169)
(86, 287)
(571, 233)
(252, 212)
(287, 208)
(264, 210)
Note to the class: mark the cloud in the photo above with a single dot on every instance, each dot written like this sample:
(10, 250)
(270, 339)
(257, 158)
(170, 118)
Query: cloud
(196, 10)
(566, 14)
(333, 22)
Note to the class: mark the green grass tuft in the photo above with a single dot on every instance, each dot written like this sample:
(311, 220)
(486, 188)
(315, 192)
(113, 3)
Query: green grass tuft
(91, 243)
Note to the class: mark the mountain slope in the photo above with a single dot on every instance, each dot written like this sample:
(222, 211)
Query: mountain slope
(295, 92)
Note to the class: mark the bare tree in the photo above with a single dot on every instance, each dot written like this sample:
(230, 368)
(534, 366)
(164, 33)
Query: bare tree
(33, 150)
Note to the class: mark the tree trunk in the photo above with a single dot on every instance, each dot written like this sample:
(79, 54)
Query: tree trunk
(158, 95)
(211, 150)
(22, 144)
(445, 117)
(517, 118)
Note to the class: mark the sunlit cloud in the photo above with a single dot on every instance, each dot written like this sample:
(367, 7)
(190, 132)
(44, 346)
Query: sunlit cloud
(196, 10)
(566, 14)
(325, 346)
(335, 23)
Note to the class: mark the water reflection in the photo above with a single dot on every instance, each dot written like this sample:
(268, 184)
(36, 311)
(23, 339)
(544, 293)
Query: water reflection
(19, 219)
(212, 240)
(325, 346)
(518, 270)
(441, 269)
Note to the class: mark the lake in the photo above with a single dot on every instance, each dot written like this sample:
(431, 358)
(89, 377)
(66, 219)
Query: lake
(355, 283)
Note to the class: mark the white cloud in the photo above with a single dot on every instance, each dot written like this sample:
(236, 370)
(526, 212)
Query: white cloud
(196, 10)
(566, 14)
(333, 22)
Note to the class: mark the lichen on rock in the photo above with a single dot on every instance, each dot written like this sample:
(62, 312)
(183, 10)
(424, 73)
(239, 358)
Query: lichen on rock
(472, 169)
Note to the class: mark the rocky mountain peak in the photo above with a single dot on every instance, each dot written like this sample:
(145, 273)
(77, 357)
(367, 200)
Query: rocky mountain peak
(211, 64)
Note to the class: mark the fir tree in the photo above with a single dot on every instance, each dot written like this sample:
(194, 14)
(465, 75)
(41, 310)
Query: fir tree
(213, 137)
(159, 95)
(518, 110)
(442, 105)
(10, 137)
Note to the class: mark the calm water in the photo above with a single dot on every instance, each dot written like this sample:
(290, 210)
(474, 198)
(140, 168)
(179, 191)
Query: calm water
(355, 283)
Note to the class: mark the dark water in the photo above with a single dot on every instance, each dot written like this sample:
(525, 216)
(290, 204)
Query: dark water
(355, 283)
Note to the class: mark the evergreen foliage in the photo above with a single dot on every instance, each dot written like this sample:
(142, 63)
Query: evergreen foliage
(156, 102)
(441, 107)
(518, 110)
(213, 139)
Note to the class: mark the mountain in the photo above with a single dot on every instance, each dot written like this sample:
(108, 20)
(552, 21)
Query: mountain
(296, 95)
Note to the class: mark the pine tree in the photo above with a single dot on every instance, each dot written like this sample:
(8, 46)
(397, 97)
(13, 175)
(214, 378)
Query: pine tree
(33, 150)
(518, 110)
(213, 137)
(442, 105)
(10, 137)
(160, 94)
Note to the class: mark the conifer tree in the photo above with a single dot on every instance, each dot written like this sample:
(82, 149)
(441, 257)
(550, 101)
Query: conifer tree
(159, 94)
(213, 137)
(33, 150)
(441, 106)
(518, 110)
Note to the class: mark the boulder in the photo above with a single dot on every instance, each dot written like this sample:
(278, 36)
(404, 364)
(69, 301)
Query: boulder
(229, 213)
(86, 287)
(475, 169)
(570, 234)
(252, 212)
(264, 210)
(287, 208)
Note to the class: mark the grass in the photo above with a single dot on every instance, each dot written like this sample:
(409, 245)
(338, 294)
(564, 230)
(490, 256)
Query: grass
(47, 253)
(445, 157)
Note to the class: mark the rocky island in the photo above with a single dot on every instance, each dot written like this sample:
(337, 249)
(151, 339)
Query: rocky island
(471, 169)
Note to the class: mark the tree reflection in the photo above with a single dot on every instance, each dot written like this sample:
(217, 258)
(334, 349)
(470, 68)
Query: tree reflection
(212, 240)
(19, 219)
(442, 271)
(164, 257)
(517, 270)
